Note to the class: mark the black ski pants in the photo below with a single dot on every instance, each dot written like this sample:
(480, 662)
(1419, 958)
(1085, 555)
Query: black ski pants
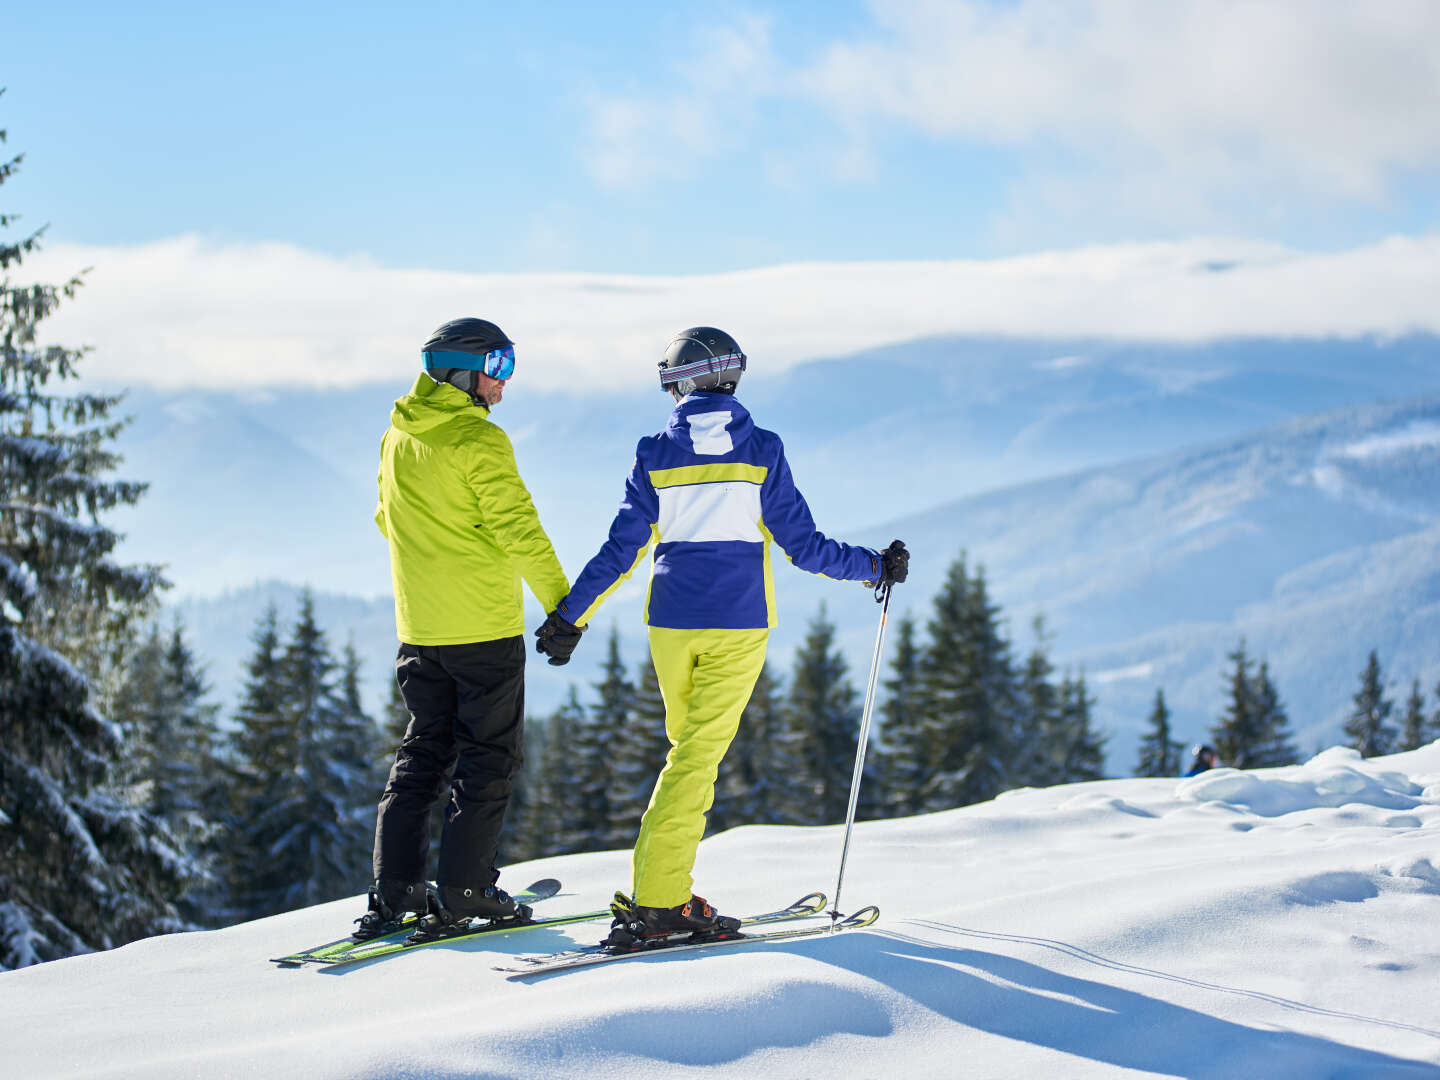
(467, 708)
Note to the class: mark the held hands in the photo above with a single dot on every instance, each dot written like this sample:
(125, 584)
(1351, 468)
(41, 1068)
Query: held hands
(557, 638)
(894, 566)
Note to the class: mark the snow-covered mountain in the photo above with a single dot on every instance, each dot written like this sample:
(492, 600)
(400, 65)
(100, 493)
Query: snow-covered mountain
(1275, 924)
(1317, 541)
(1310, 535)
(280, 485)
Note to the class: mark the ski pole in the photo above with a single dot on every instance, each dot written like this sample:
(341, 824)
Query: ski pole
(864, 739)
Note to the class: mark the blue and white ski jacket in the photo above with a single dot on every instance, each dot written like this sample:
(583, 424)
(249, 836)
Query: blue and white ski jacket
(711, 492)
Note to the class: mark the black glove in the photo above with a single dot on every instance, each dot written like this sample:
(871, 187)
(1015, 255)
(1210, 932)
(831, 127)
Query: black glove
(894, 566)
(557, 638)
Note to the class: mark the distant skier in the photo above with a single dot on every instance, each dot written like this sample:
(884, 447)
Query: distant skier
(710, 492)
(1202, 758)
(463, 533)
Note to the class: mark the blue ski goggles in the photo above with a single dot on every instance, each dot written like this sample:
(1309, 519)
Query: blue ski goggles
(497, 363)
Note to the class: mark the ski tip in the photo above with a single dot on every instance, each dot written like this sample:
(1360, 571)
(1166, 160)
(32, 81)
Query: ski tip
(540, 890)
(864, 916)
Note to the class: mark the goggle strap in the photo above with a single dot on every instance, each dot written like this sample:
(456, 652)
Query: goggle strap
(716, 364)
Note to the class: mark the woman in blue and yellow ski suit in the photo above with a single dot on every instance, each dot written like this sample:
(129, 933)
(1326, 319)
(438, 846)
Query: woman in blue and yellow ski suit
(710, 494)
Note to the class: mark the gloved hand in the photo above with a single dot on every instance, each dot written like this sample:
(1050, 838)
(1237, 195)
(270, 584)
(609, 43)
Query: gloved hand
(557, 638)
(894, 566)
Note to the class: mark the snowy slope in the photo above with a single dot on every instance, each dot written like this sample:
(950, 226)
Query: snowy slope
(1271, 924)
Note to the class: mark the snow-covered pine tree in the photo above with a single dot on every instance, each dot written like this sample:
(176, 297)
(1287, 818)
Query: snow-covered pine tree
(1413, 726)
(1159, 754)
(83, 869)
(1238, 735)
(1274, 744)
(171, 734)
(172, 766)
(260, 775)
(1084, 747)
(760, 762)
(968, 694)
(824, 705)
(901, 760)
(1368, 724)
(323, 852)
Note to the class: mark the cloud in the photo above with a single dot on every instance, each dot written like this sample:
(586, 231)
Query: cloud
(184, 312)
(1329, 96)
(1121, 109)
(635, 141)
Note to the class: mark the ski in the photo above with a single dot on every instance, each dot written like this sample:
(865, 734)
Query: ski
(543, 889)
(524, 967)
(812, 904)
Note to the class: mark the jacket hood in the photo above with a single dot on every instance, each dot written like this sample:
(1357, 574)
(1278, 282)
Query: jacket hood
(430, 404)
(709, 424)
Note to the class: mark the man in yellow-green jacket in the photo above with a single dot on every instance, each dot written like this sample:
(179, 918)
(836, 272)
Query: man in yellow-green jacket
(463, 534)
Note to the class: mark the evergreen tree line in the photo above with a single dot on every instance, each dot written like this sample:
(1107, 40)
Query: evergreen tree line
(276, 808)
(959, 720)
(1254, 730)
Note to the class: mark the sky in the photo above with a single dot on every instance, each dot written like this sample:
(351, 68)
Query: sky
(1276, 923)
(286, 150)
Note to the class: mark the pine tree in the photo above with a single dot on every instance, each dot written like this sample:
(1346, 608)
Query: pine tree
(1434, 730)
(1413, 728)
(1274, 745)
(260, 776)
(325, 851)
(1368, 725)
(824, 706)
(1239, 734)
(1041, 743)
(1159, 754)
(756, 773)
(83, 869)
(1084, 756)
(588, 827)
(631, 749)
(968, 696)
(172, 767)
(359, 740)
(900, 751)
(553, 825)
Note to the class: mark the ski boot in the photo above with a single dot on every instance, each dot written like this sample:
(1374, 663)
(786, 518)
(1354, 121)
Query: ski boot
(636, 927)
(452, 907)
(390, 902)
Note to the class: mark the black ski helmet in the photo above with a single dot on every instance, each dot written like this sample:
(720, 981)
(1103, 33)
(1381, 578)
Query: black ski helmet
(473, 337)
(701, 358)
(468, 336)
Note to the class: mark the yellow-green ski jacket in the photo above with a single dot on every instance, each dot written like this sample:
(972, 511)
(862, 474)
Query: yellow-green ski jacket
(460, 523)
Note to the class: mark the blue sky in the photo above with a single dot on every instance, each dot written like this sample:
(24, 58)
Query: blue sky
(682, 137)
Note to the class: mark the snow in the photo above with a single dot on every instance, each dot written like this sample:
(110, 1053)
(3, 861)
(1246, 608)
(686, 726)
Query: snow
(1276, 923)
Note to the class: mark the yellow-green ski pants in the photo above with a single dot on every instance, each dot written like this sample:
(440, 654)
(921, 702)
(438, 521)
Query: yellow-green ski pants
(706, 677)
